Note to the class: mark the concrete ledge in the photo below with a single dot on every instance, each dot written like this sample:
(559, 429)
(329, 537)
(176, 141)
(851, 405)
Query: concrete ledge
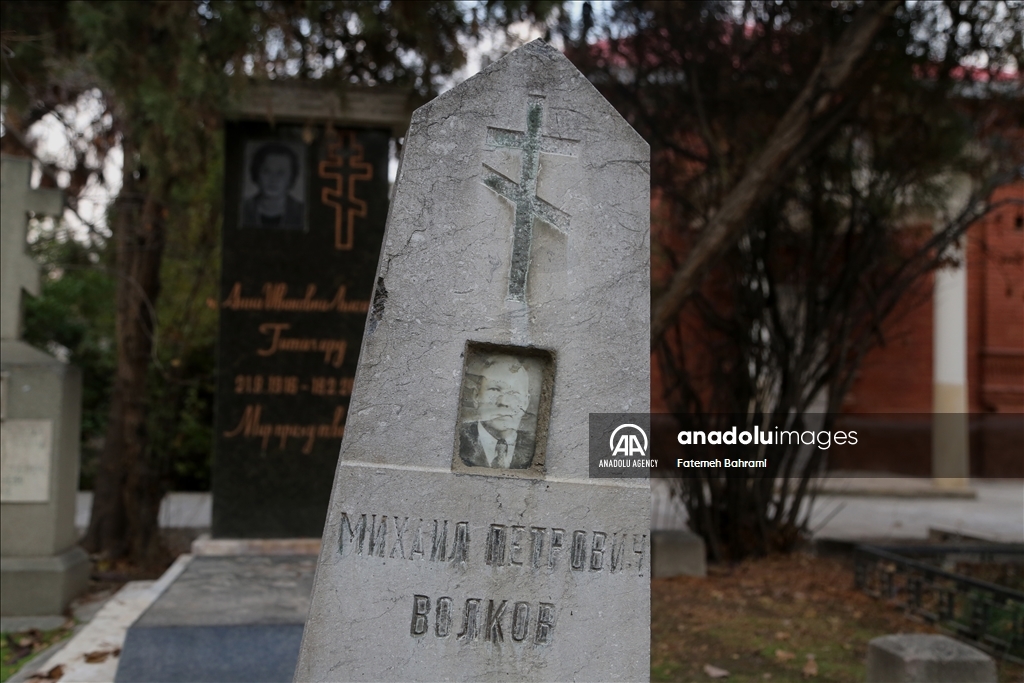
(377, 106)
(105, 633)
(924, 658)
(42, 586)
(677, 553)
(228, 547)
(45, 622)
(225, 618)
(891, 487)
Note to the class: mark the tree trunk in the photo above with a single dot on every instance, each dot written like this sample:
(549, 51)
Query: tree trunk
(128, 490)
(815, 101)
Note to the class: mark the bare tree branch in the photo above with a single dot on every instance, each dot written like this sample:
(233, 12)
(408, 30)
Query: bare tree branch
(815, 100)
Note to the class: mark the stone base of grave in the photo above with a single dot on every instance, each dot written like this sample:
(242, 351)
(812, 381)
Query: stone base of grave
(924, 658)
(225, 618)
(361, 620)
(677, 553)
(42, 586)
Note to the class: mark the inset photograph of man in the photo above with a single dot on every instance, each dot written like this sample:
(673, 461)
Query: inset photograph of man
(274, 186)
(500, 404)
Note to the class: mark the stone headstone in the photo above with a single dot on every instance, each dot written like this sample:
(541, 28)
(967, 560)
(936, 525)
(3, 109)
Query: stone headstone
(465, 540)
(677, 552)
(41, 567)
(306, 188)
(927, 658)
(304, 218)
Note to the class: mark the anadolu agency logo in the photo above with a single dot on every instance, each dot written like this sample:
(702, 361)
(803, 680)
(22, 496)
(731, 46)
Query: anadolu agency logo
(628, 445)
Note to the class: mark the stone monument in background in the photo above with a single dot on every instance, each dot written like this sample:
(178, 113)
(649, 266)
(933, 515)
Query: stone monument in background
(465, 540)
(306, 198)
(306, 192)
(41, 567)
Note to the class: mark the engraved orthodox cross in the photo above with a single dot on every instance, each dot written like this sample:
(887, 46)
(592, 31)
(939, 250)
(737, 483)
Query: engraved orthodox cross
(523, 195)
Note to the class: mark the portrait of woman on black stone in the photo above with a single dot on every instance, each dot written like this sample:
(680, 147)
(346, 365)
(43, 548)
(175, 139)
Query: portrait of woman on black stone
(274, 186)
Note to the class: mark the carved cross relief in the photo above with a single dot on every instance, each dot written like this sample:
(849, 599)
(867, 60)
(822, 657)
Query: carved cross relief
(523, 195)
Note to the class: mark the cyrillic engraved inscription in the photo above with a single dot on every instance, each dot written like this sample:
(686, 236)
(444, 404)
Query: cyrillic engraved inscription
(520, 621)
(439, 544)
(399, 530)
(460, 546)
(420, 608)
(545, 623)
(578, 555)
(496, 545)
(494, 616)
(443, 623)
(470, 618)
(597, 552)
(515, 548)
(378, 535)
(499, 620)
(506, 547)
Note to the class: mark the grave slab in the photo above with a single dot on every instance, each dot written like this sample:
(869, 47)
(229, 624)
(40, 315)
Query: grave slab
(927, 658)
(464, 540)
(677, 552)
(223, 619)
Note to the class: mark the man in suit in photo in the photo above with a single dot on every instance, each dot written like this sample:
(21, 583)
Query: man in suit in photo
(495, 439)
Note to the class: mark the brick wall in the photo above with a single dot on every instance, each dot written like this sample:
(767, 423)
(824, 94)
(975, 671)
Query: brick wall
(896, 378)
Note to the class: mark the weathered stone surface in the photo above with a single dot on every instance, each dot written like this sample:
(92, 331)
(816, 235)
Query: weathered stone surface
(25, 449)
(298, 100)
(677, 553)
(926, 658)
(41, 569)
(43, 584)
(518, 239)
(223, 619)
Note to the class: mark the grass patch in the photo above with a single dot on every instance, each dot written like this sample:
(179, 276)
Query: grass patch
(16, 649)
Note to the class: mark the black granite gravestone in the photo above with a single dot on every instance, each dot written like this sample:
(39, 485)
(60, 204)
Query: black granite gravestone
(304, 218)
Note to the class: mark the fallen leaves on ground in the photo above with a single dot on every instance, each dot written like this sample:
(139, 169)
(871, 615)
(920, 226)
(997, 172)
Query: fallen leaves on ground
(19, 647)
(714, 671)
(25, 643)
(101, 655)
(53, 674)
(807, 605)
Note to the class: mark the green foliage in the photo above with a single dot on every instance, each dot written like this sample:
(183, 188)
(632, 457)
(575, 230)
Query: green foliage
(164, 73)
(18, 648)
(73, 318)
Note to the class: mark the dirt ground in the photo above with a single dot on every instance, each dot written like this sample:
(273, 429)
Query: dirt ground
(785, 618)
